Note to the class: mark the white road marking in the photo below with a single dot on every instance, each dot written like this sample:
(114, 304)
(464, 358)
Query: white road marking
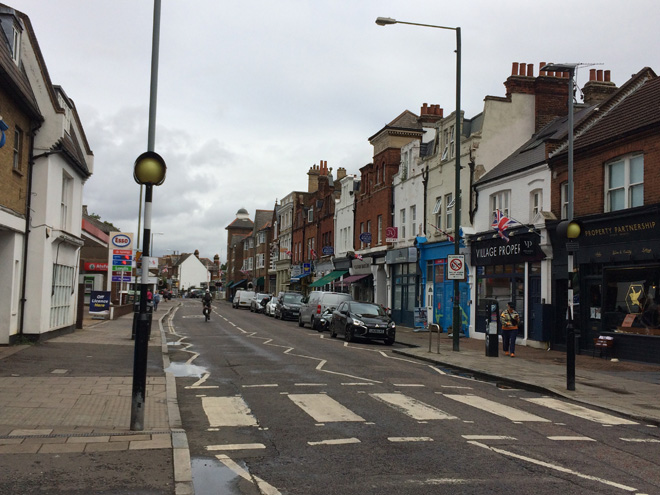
(641, 440)
(324, 409)
(580, 412)
(412, 407)
(410, 439)
(198, 383)
(555, 467)
(454, 386)
(488, 437)
(338, 441)
(310, 384)
(496, 408)
(354, 384)
(572, 439)
(227, 411)
(264, 488)
(408, 385)
(261, 385)
(236, 446)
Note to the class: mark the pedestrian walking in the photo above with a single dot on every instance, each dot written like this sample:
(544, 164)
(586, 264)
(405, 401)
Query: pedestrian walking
(156, 301)
(510, 320)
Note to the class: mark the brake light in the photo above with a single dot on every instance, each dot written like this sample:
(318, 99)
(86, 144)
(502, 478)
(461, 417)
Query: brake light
(318, 309)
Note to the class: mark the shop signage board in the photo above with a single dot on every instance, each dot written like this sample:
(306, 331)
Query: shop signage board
(520, 248)
(391, 234)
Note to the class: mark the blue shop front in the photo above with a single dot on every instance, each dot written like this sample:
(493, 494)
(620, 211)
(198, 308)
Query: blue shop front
(438, 289)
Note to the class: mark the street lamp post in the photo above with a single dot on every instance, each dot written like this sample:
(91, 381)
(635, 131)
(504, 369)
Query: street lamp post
(570, 329)
(149, 171)
(456, 323)
(153, 251)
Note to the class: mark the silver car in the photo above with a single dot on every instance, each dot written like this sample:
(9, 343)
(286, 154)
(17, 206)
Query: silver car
(316, 303)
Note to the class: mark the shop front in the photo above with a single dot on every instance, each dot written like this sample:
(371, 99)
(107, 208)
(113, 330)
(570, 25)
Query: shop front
(617, 282)
(405, 278)
(508, 272)
(438, 289)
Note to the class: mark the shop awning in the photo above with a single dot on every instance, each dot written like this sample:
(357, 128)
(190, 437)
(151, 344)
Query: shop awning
(352, 279)
(328, 278)
(299, 277)
(260, 281)
(236, 284)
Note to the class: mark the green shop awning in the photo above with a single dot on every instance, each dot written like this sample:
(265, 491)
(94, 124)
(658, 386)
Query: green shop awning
(328, 278)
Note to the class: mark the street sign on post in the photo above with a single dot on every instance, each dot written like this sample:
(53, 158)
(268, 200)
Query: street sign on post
(456, 267)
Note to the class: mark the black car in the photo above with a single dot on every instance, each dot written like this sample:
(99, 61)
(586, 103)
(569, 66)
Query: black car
(360, 319)
(288, 306)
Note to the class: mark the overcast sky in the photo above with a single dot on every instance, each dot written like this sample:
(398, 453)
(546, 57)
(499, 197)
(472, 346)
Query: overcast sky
(252, 93)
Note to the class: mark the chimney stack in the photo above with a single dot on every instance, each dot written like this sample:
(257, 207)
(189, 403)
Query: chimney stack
(598, 88)
(341, 173)
(430, 113)
(313, 178)
(521, 80)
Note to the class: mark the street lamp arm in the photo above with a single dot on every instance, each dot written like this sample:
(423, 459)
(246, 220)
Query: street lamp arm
(384, 21)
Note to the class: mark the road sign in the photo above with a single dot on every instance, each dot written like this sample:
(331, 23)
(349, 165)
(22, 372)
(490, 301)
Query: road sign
(456, 267)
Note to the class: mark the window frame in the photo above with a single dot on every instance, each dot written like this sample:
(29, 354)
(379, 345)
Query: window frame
(628, 186)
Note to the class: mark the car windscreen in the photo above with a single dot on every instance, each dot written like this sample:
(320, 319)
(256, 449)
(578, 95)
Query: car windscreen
(364, 309)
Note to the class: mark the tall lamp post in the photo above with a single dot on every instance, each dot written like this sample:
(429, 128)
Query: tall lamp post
(149, 171)
(569, 229)
(153, 251)
(456, 323)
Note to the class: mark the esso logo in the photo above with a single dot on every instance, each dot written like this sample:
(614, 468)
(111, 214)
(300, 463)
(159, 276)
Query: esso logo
(121, 240)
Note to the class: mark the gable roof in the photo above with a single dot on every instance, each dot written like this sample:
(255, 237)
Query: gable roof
(404, 122)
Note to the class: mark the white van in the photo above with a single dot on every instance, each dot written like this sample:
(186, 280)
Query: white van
(242, 299)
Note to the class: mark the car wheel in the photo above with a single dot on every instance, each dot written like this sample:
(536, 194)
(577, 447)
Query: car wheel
(300, 322)
(333, 334)
(389, 341)
(348, 335)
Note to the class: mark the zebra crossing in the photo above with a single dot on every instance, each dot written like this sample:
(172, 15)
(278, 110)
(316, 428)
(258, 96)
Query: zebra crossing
(323, 409)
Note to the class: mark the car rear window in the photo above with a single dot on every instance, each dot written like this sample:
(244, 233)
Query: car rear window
(365, 309)
(292, 298)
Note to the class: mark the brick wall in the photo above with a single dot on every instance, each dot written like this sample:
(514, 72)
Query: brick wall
(13, 184)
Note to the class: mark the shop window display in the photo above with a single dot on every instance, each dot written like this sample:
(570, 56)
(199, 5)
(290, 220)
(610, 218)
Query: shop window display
(631, 300)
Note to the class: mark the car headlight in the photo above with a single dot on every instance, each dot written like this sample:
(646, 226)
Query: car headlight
(357, 323)
(392, 325)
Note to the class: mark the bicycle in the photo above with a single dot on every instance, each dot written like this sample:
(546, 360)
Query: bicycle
(207, 312)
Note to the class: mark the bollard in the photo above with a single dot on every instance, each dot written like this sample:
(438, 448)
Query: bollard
(433, 327)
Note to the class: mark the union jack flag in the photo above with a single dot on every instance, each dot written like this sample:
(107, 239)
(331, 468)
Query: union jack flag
(358, 256)
(288, 253)
(312, 253)
(500, 223)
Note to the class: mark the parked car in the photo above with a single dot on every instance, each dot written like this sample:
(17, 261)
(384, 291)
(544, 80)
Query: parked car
(258, 302)
(195, 293)
(270, 306)
(288, 305)
(359, 319)
(242, 298)
(316, 303)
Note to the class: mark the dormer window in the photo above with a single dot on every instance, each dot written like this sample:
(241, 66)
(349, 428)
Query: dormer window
(16, 45)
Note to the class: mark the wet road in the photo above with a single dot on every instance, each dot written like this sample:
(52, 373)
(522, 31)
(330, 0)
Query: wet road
(272, 408)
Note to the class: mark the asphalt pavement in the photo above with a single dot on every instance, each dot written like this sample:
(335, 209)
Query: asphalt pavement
(65, 403)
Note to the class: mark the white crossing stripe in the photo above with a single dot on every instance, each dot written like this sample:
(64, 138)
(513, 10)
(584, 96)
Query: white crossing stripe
(410, 439)
(412, 407)
(227, 411)
(488, 437)
(496, 408)
(337, 441)
(641, 440)
(236, 446)
(580, 412)
(323, 409)
(572, 439)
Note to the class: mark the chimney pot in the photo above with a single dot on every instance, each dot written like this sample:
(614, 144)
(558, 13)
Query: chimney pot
(542, 73)
(514, 68)
(530, 70)
(523, 68)
(599, 75)
(592, 74)
(607, 76)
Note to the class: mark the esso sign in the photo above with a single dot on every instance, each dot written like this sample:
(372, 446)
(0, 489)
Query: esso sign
(121, 240)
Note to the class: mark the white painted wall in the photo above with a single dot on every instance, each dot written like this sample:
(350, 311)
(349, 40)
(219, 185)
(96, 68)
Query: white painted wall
(192, 272)
(344, 217)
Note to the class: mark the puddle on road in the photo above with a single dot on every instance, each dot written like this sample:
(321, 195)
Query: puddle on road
(210, 476)
(184, 369)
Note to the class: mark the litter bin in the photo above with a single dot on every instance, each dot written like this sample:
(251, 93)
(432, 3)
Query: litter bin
(492, 327)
